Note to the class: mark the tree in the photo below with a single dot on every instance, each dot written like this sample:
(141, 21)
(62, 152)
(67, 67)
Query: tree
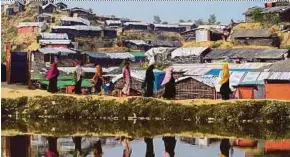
(181, 20)
(212, 20)
(156, 19)
(199, 22)
(189, 20)
(257, 15)
(164, 22)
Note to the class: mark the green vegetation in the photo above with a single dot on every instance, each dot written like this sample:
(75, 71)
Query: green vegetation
(258, 16)
(72, 108)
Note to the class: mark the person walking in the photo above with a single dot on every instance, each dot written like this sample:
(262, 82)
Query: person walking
(126, 79)
(225, 82)
(169, 83)
(78, 77)
(97, 79)
(52, 75)
(149, 81)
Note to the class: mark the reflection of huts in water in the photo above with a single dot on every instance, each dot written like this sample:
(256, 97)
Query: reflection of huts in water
(262, 37)
(247, 55)
(277, 145)
(189, 87)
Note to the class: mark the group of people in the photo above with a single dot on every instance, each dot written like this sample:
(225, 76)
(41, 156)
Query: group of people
(148, 84)
(98, 80)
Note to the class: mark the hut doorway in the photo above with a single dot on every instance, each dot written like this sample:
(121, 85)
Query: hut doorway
(19, 66)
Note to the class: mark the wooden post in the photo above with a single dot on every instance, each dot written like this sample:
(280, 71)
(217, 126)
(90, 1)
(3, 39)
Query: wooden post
(8, 61)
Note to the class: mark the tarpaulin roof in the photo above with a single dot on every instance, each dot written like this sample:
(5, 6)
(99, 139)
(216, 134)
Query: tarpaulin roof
(216, 72)
(158, 50)
(118, 55)
(196, 51)
(30, 24)
(135, 23)
(64, 83)
(121, 55)
(79, 27)
(138, 54)
(48, 4)
(76, 19)
(54, 35)
(44, 42)
(108, 22)
(137, 42)
(63, 51)
(247, 53)
(166, 26)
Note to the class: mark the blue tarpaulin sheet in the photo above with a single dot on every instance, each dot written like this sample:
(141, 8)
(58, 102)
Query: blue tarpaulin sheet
(216, 72)
(158, 78)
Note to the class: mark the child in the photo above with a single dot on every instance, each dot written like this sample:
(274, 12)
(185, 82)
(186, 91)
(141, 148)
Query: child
(108, 86)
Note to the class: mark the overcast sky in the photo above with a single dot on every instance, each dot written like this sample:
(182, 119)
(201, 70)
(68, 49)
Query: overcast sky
(169, 11)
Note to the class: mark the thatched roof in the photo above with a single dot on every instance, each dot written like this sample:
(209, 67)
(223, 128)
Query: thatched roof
(253, 33)
(271, 10)
(280, 66)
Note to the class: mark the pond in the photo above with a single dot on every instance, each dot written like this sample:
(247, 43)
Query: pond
(87, 138)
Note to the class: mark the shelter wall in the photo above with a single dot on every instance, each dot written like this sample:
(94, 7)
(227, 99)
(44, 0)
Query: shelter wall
(193, 89)
(258, 41)
(277, 91)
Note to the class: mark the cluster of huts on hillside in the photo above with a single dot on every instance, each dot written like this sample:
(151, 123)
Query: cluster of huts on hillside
(196, 69)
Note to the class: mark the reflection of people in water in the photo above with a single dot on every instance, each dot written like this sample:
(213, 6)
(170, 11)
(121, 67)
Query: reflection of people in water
(98, 151)
(169, 144)
(126, 145)
(149, 147)
(225, 148)
(52, 147)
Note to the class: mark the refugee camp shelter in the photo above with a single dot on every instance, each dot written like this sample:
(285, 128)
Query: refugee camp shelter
(45, 17)
(165, 43)
(48, 8)
(80, 12)
(247, 55)
(277, 145)
(167, 28)
(188, 25)
(262, 37)
(71, 21)
(190, 87)
(31, 27)
(61, 5)
(109, 58)
(14, 8)
(139, 57)
(159, 54)
(282, 12)
(54, 40)
(189, 55)
(135, 26)
(277, 86)
(79, 31)
(138, 77)
(136, 44)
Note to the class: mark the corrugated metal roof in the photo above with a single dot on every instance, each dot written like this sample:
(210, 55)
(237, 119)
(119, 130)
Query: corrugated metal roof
(186, 24)
(97, 54)
(197, 71)
(54, 35)
(62, 51)
(166, 26)
(79, 27)
(75, 19)
(44, 42)
(280, 66)
(30, 24)
(247, 53)
(135, 23)
(196, 51)
(80, 9)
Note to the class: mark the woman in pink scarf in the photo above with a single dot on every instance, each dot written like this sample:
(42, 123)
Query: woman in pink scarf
(52, 75)
(169, 82)
(127, 79)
